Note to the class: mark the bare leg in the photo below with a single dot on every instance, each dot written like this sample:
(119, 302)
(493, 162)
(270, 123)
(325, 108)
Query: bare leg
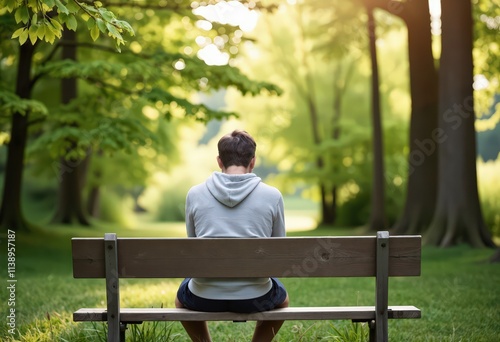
(197, 330)
(266, 330)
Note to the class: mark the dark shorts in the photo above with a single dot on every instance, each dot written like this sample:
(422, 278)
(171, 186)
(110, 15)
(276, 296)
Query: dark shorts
(269, 301)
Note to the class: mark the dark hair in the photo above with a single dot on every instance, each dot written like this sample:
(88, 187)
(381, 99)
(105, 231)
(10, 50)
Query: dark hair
(236, 148)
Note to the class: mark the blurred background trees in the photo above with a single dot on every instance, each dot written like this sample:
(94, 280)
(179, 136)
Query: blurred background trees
(420, 179)
(108, 132)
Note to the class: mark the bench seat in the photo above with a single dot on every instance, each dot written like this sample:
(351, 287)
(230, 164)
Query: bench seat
(355, 313)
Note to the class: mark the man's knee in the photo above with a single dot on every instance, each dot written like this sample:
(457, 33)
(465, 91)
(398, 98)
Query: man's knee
(178, 303)
(285, 303)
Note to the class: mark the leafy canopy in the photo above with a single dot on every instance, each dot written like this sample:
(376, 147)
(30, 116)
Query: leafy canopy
(45, 19)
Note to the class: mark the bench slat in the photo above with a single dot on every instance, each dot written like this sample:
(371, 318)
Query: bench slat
(292, 257)
(361, 313)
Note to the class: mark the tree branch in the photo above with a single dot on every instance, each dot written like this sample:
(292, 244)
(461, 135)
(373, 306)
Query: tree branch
(397, 8)
(103, 84)
(175, 7)
(35, 121)
(91, 46)
(134, 4)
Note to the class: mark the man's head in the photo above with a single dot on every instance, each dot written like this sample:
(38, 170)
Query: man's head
(237, 149)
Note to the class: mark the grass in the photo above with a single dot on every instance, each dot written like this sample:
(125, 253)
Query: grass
(458, 293)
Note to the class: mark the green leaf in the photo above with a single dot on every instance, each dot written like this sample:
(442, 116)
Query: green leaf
(72, 6)
(22, 15)
(33, 33)
(113, 31)
(63, 17)
(40, 32)
(90, 23)
(50, 36)
(23, 37)
(18, 14)
(57, 25)
(10, 5)
(71, 23)
(106, 15)
(89, 8)
(125, 26)
(94, 32)
(18, 32)
(61, 8)
(102, 25)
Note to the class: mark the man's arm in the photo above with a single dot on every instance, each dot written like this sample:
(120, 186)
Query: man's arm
(189, 218)
(279, 220)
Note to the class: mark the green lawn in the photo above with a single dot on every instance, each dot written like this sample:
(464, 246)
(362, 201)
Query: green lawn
(458, 292)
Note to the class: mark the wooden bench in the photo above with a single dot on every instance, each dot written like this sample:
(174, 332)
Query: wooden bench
(377, 256)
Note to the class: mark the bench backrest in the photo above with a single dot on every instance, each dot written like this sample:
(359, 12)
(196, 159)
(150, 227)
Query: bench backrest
(379, 256)
(235, 257)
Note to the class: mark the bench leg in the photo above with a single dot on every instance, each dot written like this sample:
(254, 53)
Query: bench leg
(123, 328)
(373, 333)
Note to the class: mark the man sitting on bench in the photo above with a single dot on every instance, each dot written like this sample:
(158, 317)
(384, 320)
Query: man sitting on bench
(234, 203)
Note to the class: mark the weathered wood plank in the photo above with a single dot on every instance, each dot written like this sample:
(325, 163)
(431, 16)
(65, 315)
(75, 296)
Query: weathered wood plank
(263, 257)
(112, 287)
(360, 313)
(382, 287)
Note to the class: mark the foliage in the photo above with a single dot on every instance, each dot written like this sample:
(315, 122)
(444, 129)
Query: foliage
(355, 209)
(486, 53)
(115, 209)
(95, 123)
(151, 72)
(171, 206)
(488, 174)
(45, 20)
(10, 103)
(488, 140)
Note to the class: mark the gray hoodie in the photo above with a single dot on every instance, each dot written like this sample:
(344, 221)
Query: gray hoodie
(227, 205)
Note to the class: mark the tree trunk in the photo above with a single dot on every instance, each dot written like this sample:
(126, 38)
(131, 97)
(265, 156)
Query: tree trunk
(329, 198)
(422, 173)
(70, 206)
(136, 194)
(327, 214)
(458, 216)
(72, 172)
(377, 215)
(11, 215)
(330, 210)
(93, 202)
(94, 196)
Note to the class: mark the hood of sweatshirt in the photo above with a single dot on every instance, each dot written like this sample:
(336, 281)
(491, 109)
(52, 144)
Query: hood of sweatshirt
(231, 190)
